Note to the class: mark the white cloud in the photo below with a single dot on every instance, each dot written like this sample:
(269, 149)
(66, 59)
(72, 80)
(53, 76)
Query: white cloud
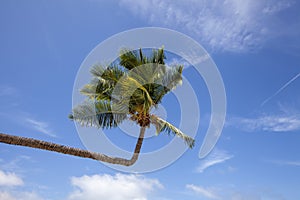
(205, 192)
(11, 188)
(214, 158)
(9, 179)
(230, 25)
(40, 126)
(270, 123)
(6, 196)
(118, 187)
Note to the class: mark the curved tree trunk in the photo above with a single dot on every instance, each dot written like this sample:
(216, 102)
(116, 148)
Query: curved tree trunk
(39, 144)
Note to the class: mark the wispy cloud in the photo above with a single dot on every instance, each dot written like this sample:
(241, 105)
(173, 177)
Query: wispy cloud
(40, 126)
(7, 90)
(274, 7)
(116, 187)
(205, 192)
(25, 119)
(234, 192)
(270, 123)
(280, 89)
(16, 164)
(229, 25)
(214, 158)
(286, 162)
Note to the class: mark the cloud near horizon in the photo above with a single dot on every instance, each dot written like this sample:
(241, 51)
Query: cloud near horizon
(117, 187)
(9, 180)
(225, 192)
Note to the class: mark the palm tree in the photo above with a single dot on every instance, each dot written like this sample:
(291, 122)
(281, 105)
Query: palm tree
(124, 90)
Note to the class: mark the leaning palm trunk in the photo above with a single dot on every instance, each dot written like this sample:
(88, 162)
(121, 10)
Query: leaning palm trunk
(39, 144)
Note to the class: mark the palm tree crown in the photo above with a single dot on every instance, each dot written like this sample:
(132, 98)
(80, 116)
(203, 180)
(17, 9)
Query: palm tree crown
(127, 90)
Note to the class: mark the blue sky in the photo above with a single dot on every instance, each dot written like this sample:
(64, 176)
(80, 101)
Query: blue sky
(255, 45)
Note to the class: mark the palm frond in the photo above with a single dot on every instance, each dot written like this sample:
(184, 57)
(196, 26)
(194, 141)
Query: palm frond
(102, 85)
(164, 126)
(172, 77)
(129, 59)
(112, 73)
(98, 114)
(158, 56)
(99, 89)
(97, 70)
(166, 79)
(130, 93)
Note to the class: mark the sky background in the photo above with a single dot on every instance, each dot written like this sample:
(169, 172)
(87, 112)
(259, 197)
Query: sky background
(256, 46)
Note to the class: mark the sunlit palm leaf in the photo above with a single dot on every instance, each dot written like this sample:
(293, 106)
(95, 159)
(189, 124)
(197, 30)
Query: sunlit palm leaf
(169, 78)
(164, 126)
(130, 94)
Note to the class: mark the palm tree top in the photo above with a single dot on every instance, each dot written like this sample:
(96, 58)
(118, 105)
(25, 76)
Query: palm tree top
(127, 90)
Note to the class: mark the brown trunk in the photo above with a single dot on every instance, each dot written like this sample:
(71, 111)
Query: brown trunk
(39, 144)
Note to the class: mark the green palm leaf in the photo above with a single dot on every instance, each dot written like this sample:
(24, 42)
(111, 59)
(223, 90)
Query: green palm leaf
(111, 73)
(129, 59)
(103, 83)
(98, 114)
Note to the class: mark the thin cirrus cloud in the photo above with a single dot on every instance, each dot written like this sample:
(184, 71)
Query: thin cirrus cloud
(202, 191)
(40, 126)
(286, 162)
(7, 90)
(119, 186)
(226, 192)
(268, 123)
(280, 89)
(287, 120)
(226, 25)
(26, 120)
(214, 158)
